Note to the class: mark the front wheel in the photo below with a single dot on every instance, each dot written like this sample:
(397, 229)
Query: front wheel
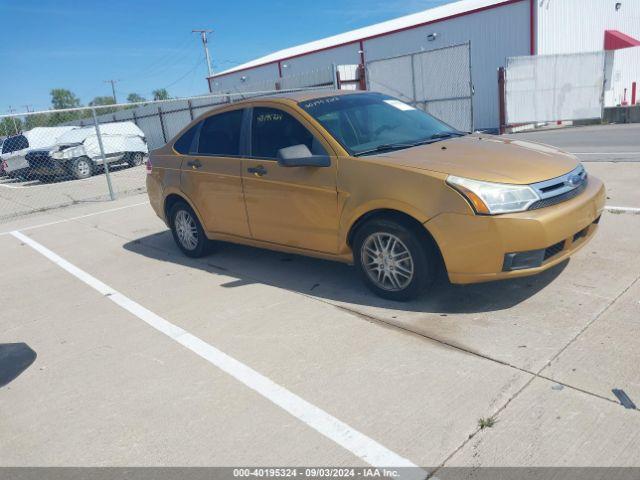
(134, 159)
(393, 260)
(82, 167)
(187, 231)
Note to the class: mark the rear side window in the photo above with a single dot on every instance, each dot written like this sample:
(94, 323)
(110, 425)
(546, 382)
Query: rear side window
(183, 144)
(220, 134)
(15, 143)
(274, 129)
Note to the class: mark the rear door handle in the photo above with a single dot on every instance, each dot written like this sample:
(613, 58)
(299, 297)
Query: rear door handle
(195, 164)
(257, 171)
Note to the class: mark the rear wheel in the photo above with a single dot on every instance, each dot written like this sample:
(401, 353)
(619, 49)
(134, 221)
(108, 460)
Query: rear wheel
(82, 167)
(394, 261)
(187, 231)
(134, 159)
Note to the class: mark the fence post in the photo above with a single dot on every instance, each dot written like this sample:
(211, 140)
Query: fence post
(414, 90)
(362, 77)
(501, 99)
(104, 157)
(164, 133)
(135, 117)
(190, 109)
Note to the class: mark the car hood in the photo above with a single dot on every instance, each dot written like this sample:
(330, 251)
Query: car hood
(486, 157)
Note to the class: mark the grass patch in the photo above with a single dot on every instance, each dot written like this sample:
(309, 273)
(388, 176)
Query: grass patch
(486, 423)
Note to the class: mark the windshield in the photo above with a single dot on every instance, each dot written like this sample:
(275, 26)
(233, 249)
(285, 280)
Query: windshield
(372, 122)
(15, 143)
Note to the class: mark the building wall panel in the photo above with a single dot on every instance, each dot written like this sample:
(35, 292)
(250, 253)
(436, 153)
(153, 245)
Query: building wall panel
(574, 26)
(495, 34)
(265, 74)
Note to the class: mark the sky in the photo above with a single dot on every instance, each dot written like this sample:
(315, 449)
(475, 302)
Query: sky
(146, 45)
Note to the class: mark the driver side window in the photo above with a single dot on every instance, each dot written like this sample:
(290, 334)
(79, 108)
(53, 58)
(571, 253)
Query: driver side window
(273, 129)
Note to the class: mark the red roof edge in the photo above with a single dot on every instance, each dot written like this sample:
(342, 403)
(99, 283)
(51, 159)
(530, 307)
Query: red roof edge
(615, 40)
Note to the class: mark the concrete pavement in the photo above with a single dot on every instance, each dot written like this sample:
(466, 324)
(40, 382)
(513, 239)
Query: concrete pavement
(106, 389)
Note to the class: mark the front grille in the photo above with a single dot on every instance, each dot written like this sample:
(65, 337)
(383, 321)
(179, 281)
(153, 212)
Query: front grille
(553, 250)
(548, 202)
(582, 233)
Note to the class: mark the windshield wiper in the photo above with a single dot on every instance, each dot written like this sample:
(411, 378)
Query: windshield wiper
(441, 135)
(386, 147)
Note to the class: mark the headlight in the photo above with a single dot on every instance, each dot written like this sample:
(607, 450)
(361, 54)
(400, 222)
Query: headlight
(492, 198)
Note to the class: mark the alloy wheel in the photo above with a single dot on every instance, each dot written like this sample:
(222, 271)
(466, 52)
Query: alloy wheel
(186, 230)
(84, 169)
(387, 261)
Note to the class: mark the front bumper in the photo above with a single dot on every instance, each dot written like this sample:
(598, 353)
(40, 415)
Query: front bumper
(474, 246)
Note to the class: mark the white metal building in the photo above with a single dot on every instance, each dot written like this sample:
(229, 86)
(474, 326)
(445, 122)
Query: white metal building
(496, 29)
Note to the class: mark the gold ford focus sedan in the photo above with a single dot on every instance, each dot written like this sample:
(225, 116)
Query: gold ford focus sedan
(364, 178)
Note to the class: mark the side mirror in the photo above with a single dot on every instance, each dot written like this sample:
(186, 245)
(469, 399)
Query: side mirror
(301, 156)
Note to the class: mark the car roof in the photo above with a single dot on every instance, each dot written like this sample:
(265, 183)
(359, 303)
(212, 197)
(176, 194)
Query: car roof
(301, 96)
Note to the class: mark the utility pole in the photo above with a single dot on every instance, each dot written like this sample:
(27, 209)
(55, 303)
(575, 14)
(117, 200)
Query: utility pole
(203, 36)
(113, 88)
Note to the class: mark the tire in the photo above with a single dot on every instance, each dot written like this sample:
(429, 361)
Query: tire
(187, 231)
(135, 159)
(394, 261)
(82, 167)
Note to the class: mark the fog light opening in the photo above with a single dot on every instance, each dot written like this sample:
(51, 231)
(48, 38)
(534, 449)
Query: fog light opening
(523, 260)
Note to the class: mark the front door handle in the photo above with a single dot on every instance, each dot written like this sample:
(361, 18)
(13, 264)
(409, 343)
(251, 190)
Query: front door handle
(257, 171)
(194, 164)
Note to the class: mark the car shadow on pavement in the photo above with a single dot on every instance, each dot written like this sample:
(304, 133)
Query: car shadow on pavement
(336, 282)
(15, 358)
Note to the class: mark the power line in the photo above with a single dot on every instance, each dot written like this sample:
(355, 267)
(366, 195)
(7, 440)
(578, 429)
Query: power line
(191, 70)
(166, 59)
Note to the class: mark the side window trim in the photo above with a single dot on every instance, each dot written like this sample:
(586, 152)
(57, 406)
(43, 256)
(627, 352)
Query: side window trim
(245, 133)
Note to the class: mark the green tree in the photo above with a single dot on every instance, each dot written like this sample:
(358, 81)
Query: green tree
(135, 98)
(161, 94)
(62, 98)
(37, 120)
(10, 126)
(100, 102)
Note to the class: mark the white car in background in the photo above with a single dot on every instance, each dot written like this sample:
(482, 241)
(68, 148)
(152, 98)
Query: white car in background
(77, 152)
(16, 147)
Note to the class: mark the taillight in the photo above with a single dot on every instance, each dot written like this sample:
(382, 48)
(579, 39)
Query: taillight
(149, 166)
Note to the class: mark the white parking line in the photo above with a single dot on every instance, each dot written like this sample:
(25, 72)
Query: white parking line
(55, 222)
(605, 153)
(354, 441)
(622, 209)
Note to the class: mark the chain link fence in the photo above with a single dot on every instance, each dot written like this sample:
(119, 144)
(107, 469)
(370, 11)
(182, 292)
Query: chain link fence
(417, 79)
(56, 158)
